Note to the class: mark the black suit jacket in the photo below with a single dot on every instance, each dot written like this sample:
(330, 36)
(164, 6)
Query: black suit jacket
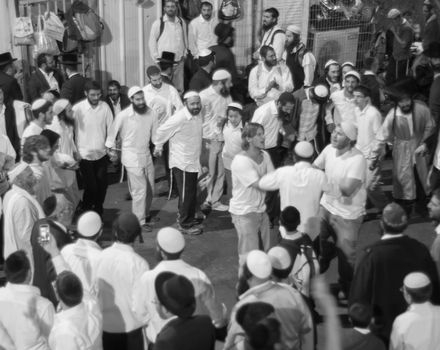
(124, 100)
(11, 128)
(434, 107)
(38, 84)
(10, 88)
(73, 89)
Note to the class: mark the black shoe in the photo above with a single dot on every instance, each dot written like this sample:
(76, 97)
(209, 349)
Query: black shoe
(128, 196)
(324, 264)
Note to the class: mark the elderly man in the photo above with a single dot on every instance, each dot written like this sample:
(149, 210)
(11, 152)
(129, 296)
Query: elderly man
(268, 80)
(215, 101)
(272, 35)
(300, 61)
(45, 78)
(21, 211)
(42, 112)
(184, 131)
(136, 127)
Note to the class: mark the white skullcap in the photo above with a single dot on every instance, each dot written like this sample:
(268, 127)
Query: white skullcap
(294, 29)
(259, 264)
(321, 91)
(353, 73)
(89, 224)
(190, 94)
(416, 280)
(236, 105)
(330, 62)
(221, 74)
(279, 258)
(205, 53)
(348, 63)
(60, 106)
(133, 91)
(304, 149)
(170, 240)
(393, 13)
(19, 168)
(38, 103)
(350, 130)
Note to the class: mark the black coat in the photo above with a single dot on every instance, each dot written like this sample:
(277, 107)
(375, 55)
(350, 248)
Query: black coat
(351, 339)
(11, 128)
(10, 87)
(224, 58)
(434, 107)
(38, 84)
(379, 276)
(200, 81)
(370, 81)
(124, 100)
(73, 89)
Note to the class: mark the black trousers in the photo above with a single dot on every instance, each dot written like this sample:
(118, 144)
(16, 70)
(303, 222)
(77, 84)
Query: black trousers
(94, 174)
(277, 155)
(187, 187)
(133, 340)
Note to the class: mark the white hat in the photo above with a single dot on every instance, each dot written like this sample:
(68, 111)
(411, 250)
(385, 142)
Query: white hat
(60, 105)
(347, 63)
(415, 280)
(330, 62)
(393, 13)
(221, 74)
(133, 91)
(294, 29)
(279, 258)
(170, 240)
(19, 168)
(205, 53)
(236, 105)
(38, 103)
(259, 264)
(350, 130)
(304, 149)
(190, 94)
(89, 224)
(353, 73)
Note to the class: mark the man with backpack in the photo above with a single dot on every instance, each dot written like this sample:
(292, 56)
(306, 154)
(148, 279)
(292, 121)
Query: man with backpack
(168, 33)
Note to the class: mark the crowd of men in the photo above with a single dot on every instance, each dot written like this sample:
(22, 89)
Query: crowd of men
(295, 157)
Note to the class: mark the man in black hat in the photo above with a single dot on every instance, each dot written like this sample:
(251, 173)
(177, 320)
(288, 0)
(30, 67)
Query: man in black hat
(185, 332)
(45, 78)
(9, 128)
(224, 58)
(8, 83)
(73, 88)
(202, 78)
(382, 266)
(166, 63)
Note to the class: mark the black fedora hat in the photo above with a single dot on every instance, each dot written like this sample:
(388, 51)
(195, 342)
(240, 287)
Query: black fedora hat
(176, 293)
(168, 57)
(69, 58)
(433, 50)
(6, 58)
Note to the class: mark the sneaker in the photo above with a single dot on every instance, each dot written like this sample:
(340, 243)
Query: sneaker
(193, 230)
(220, 207)
(147, 227)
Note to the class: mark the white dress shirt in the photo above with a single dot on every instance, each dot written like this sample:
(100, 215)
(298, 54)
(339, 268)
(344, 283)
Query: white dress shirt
(145, 299)
(82, 257)
(92, 125)
(278, 41)
(232, 146)
(201, 34)
(300, 186)
(30, 130)
(119, 269)
(214, 107)
(173, 38)
(260, 77)
(417, 328)
(26, 317)
(53, 83)
(369, 121)
(184, 131)
(77, 328)
(135, 130)
(165, 101)
(2, 120)
(343, 108)
(267, 115)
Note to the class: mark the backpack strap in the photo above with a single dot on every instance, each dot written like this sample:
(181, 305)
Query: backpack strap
(162, 26)
(273, 36)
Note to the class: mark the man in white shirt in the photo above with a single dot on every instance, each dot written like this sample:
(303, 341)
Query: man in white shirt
(369, 121)
(341, 105)
(43, 115)
(45, 78)
(168, 33)
(300, 185)
(201, 30)
(269, 79)
(119, 268)
(170, 244)
(417, 328)
(83, 255)
(93, 120)
(184, 132)
(343, 204)
(136, 126)
(26, 316)
(215, 100)
(273, 35)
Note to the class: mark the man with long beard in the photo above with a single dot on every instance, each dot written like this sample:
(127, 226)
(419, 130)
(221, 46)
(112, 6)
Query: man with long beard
(271, 35)
(136, 126)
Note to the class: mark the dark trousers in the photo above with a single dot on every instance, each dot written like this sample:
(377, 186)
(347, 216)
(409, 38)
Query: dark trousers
(94, 174)
(277, 155)
(187, 187)
(434, 178)
(396, 70)
(133, 340)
